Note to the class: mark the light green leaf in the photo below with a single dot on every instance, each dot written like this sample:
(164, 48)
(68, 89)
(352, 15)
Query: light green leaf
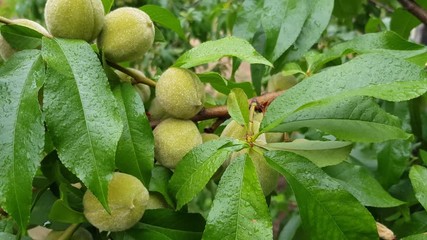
(327, 210)
(165, 18)
(356, 119)
(376, 75)
(214, 50)
(21, 132)
(362, 185)
(319, 13)
(238, 106)
(383, 42)
(21, 37)
(196, 168)
(282, 21)
(321, 153)
(107, 5)
(418, 176)
(135, 150)
(81, 113)
(239, 209)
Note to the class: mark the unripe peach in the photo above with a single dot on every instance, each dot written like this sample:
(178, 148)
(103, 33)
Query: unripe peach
(127, 199)
(75, 19)
(180, 92)
(173, 138)
(128, 33)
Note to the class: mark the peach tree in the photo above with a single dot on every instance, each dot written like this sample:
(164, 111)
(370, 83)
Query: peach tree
(323, 138)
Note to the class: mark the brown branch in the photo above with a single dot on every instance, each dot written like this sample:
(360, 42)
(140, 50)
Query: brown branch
(415, 9)
(136, 75)
(222, 112)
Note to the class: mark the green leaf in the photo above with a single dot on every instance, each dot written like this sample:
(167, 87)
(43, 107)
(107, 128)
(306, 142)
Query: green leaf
(376, 75)
(196, 169)
(416, 223)
(383, 42)
(136, 234)
(135, 150)
(423, 156)
(239, 210)
(175, 225)
(418, 176)
(327, 210)
(223, 85)
(362, 185)
(347, 9)
(81, 113)
(213, 50)
(21, 37)
(107, 5)
(61, 212)
(160, 177)
(165, 18)
(21, 132)
(356, 119)
(319, 13)
(281, 20)
(402, 22)
(421, 236)
(393, 158)
(238, 106)
(321, 153)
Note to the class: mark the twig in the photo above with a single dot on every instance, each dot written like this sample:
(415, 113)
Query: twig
(5, 20)
(415, 9)
(221, 111)
(136, 75)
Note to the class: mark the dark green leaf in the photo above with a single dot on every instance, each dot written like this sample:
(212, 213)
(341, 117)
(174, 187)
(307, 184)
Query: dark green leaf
(238, 106)
(137, 234)
(321, 153)
(41, 208)
(165, 18)
(223, 85)
(402, 22)
(393, 157)
(21, 37)
(160, 177)
(107, 5)
(327, 210)
(376, 75)
(357, 119)
(213, 50)
(135, 150)
(175, 225)
(319, 13)
(422, 236)
(21, 132)
(362, 185)
(81, 113)
(416, 223)
(239, 210)
(418, 176)
(384, 42)
(347, 9)
(196, 169)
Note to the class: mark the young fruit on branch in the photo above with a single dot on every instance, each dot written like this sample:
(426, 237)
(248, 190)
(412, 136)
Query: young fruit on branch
(127, 199)
(75, 19)
(266, 175)
(180, 92)
(156, 111)
(278, 82)
(6, 51)
(128, 33)
(173, 138)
